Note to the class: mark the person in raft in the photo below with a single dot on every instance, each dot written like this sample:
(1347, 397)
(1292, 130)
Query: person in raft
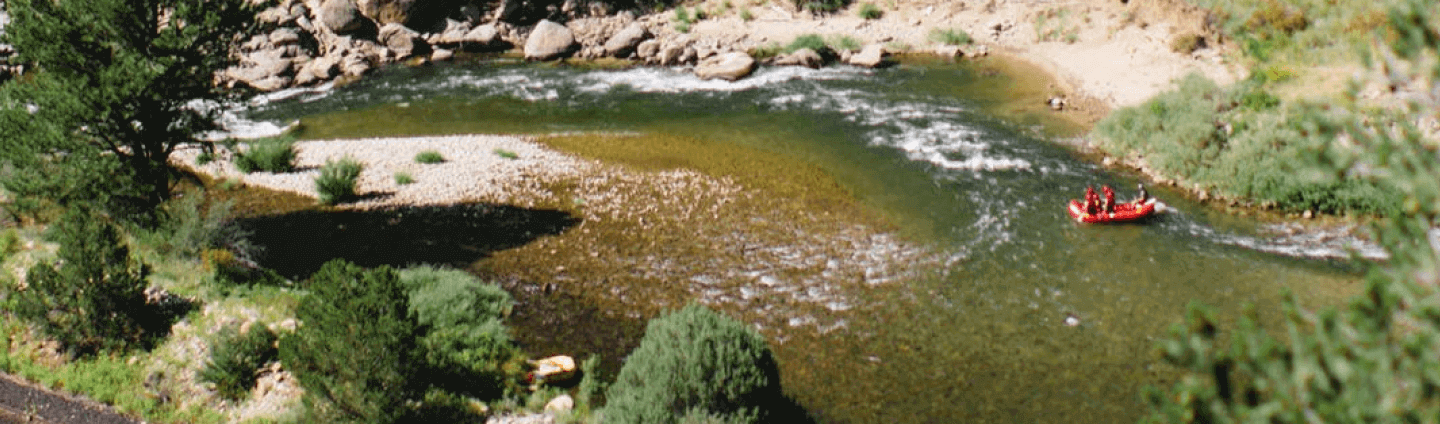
(1109, 199)
(1144, 195)
(1091, 200)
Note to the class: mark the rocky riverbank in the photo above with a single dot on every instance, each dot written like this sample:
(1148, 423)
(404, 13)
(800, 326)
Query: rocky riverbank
(1103, 53)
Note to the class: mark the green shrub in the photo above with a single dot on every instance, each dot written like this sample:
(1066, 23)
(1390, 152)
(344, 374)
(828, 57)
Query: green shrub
(465, 345)
(192, 223)
(9, 243)
(270, 155)
(96, 299)
(808, 41)
(869, 11)
(506, 154)
(821, 6)
(402, 178)
(429, 157)
(353, 355)
(766, 50)
(205, 157)
(235, 357)
(844, 42)
(695, 363)
(336, 182)
(746, 16)
(953, 37)
(1187, 43)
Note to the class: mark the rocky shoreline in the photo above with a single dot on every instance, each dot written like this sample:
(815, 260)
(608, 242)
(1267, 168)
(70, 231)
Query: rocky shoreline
(1103, 54)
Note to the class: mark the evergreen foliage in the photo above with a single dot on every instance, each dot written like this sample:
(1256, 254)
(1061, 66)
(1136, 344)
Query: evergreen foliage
(112, 95)
(353, 352)
(336, 183)
(696, 365)
(465, 345)
(95, 298)
(235, 358)
(1378, 358)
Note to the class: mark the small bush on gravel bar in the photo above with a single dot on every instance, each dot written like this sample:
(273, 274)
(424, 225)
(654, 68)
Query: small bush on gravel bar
(870, 11)
(336, 182)
(402, 178)
(429, 157)
(269, 155)
(954, 37)
(234, 358)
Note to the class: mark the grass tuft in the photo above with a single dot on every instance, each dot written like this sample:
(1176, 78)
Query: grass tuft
(429, 157)
(953, 37)
(336, 182)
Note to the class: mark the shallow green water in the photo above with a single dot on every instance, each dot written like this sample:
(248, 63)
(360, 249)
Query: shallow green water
(978, 340)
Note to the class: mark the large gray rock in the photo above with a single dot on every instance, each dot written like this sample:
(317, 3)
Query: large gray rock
(321, 69)
(284, 36)
(341, 16)
(403, 41)
(870, 57)
(548, 41)
(729, 66)
(387, 11)
(647, 49)
(804, 57)
(624, 42)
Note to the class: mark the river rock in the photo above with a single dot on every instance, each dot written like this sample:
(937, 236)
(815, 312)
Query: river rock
(729, 66)
(403, 41)
(438, 55)
(284, 37)
(276, 16)
(549, 40)
(560, 404)
(806, 57)
(871, 56)
(454, 33)
(647, 49)
(624, 42)
(386, 11)
(341, 16)
(321, 69)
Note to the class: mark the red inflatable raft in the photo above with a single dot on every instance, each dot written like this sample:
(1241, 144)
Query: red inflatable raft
(1124, 212)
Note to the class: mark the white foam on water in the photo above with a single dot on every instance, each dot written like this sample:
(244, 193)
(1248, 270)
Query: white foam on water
(678, 80)
(1294, 240)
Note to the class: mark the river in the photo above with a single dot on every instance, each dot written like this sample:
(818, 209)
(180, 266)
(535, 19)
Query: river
(961, 158)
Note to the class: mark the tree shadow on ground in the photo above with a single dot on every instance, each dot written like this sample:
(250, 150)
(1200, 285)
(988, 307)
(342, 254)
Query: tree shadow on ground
(296, 244)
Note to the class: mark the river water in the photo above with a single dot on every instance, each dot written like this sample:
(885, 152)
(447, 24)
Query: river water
(959, 157)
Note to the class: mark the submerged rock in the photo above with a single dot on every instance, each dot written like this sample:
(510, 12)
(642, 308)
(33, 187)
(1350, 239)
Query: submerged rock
(729, 66)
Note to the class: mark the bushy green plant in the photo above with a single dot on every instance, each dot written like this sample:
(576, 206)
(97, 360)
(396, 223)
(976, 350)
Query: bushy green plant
(1238, 143)
(869, 11)
(9, 243)
(353, 352)
(195, 222)
(404, 178)
(746, 16)
(336, 182)
(506, 154)
(235, 358)
(95, 299)
(766, 50)
(429, 157)
(269, 155)
(953, 36)
(808, 41)
(1376, 359)
(465, 345)
(844, 42)
(695, 362)
(821, 6)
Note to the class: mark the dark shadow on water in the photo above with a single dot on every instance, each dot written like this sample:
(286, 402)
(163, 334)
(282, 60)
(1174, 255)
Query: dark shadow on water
(296, 244)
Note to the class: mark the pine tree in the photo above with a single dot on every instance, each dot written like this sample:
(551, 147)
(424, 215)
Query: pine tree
(112, 93)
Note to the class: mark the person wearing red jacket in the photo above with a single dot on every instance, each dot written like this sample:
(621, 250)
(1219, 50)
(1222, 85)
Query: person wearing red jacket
(1109, 199)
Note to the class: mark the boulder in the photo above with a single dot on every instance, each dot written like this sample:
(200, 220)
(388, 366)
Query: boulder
(275, 16)
(403, 41)
(871, 56)
(321, 69)
(484, 35)
(441, 54)
(284, 37)
(271, 83)
(806, 57)
(341, 16)
(385, 11)
(560, 404)
(624, 42)
(454, 33)
(647, 49)
(729, 66)
(549, 40)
